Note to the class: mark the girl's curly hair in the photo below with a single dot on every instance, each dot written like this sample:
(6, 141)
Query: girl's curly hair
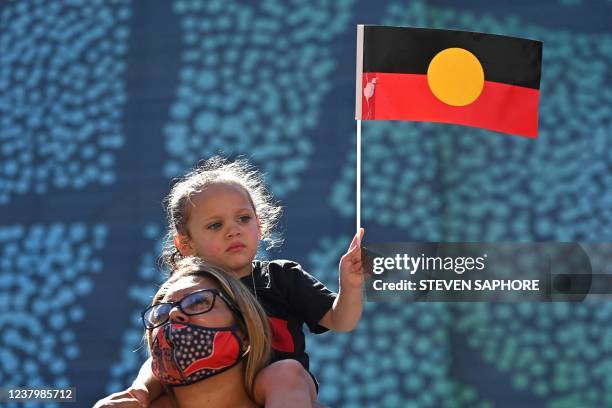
(218, 170)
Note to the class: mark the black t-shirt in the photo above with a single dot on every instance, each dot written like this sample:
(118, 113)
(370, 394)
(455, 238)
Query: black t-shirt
(290, 297)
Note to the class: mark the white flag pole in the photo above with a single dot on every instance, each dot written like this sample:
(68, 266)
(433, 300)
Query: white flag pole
(358, 183)
(358, 117)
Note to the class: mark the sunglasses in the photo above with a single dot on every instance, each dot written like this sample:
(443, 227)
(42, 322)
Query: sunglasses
(198, 302)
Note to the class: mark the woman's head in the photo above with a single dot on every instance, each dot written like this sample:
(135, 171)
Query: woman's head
(220, 211)
(220, 302)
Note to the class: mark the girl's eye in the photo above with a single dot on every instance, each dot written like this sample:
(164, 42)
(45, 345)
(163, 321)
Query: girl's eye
(244, 218)
(214, 226)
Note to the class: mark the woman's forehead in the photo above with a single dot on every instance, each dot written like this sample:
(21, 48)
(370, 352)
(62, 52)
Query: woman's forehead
(186, 285)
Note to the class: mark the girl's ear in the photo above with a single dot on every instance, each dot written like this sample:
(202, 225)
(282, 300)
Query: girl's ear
(183, 244)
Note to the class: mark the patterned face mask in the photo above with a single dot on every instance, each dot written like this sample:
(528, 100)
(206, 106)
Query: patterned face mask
(183, 354)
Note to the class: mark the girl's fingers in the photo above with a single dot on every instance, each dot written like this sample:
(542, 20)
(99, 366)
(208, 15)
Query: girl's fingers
(356, 242)
(355, 249)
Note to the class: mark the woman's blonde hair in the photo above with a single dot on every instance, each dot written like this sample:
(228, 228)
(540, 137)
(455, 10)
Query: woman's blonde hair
(254, 323)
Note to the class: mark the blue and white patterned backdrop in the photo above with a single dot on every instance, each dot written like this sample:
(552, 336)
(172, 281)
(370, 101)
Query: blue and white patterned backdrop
(103, 102)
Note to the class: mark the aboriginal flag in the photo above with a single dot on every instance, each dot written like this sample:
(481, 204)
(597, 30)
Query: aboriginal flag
(472, 79)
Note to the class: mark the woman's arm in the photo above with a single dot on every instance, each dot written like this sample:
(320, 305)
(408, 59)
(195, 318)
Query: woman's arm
(144, 390)
(146, 387)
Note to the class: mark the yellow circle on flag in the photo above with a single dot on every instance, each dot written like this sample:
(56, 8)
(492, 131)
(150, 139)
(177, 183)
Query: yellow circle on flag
(455, 76)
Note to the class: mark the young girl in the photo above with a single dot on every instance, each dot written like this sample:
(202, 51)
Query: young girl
(220, 212)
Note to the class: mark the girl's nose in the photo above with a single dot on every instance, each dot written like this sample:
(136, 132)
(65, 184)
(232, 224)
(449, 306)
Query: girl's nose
(177, 315)
(233, 231)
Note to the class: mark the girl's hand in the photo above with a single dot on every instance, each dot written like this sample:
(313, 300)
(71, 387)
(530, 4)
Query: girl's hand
(351, 273)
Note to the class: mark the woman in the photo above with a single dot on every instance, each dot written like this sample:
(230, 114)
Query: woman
(208, 337)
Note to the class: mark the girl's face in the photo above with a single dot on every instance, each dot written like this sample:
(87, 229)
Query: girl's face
(223, 229)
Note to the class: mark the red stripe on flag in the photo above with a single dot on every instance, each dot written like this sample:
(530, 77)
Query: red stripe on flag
(500, 107)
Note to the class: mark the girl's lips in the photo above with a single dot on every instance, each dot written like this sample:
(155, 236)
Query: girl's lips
(236, 247)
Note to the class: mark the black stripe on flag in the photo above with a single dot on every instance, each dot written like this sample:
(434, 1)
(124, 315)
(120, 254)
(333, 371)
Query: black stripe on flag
(509, 60)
